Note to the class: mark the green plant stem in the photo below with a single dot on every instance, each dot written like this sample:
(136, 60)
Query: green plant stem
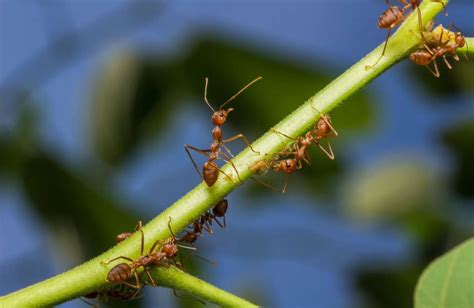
(92, 275)
(468, 48)
(174, 278)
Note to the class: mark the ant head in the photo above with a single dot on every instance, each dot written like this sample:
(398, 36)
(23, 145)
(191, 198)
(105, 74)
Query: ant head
(415, 3)
(323, 125)
(191, 237)
(220, 116)
(290, 165)
(459, 39)
(170, 249)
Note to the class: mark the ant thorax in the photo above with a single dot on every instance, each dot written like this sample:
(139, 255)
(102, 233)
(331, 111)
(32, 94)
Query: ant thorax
(217, 134)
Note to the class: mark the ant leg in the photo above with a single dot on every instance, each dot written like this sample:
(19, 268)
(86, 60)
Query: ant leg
(218, 222)
(83, 300)
(208, 228)
(240, 136)
(154, 246)
(329, 153)
(423, 42)
(447, 62)
(383, 51)
(227, 150)
(323, 117)
(137, 284)
(284, 135)
(115, 259)
(142, 242)
(131, 285)
(206, 225)
(442, 4)
(150, 278)
(420, 23)
(436, 71)
(213, 263)
(188, 297)
(286, 184)
(299, 165)
(169, 227)
(307, 159)
(265, 184)
(227, 159)
(135, 294)
(201, 151)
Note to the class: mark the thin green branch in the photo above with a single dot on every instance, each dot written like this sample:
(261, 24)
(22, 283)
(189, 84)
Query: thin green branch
(468, 48)
(92, 275)
(174, 278)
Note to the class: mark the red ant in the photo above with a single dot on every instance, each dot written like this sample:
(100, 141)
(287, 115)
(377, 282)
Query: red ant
(124, 235)
(435, 48)
(205, 222)
(122, 272)
(394, 15)
(210, 170)
(299, 149)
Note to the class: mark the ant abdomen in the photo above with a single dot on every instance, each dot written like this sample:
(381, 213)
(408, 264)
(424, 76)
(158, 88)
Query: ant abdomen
(119, 273)
(421, 57)
(390, 17)
(220, 208)
(210, 172)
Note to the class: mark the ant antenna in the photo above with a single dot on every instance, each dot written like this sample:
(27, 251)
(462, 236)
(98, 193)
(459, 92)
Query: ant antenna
(169, 227)
(240, 91)
(205, 95)
(186, 247)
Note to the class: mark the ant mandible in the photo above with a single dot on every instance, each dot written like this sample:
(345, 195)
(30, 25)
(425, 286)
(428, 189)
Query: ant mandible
(210, 170)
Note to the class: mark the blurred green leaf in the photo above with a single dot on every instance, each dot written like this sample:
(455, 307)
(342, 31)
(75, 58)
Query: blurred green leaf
(15, 145)
(392, 189)
(61, 197)
(129, 102)
(459, 139)
(449, 280)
